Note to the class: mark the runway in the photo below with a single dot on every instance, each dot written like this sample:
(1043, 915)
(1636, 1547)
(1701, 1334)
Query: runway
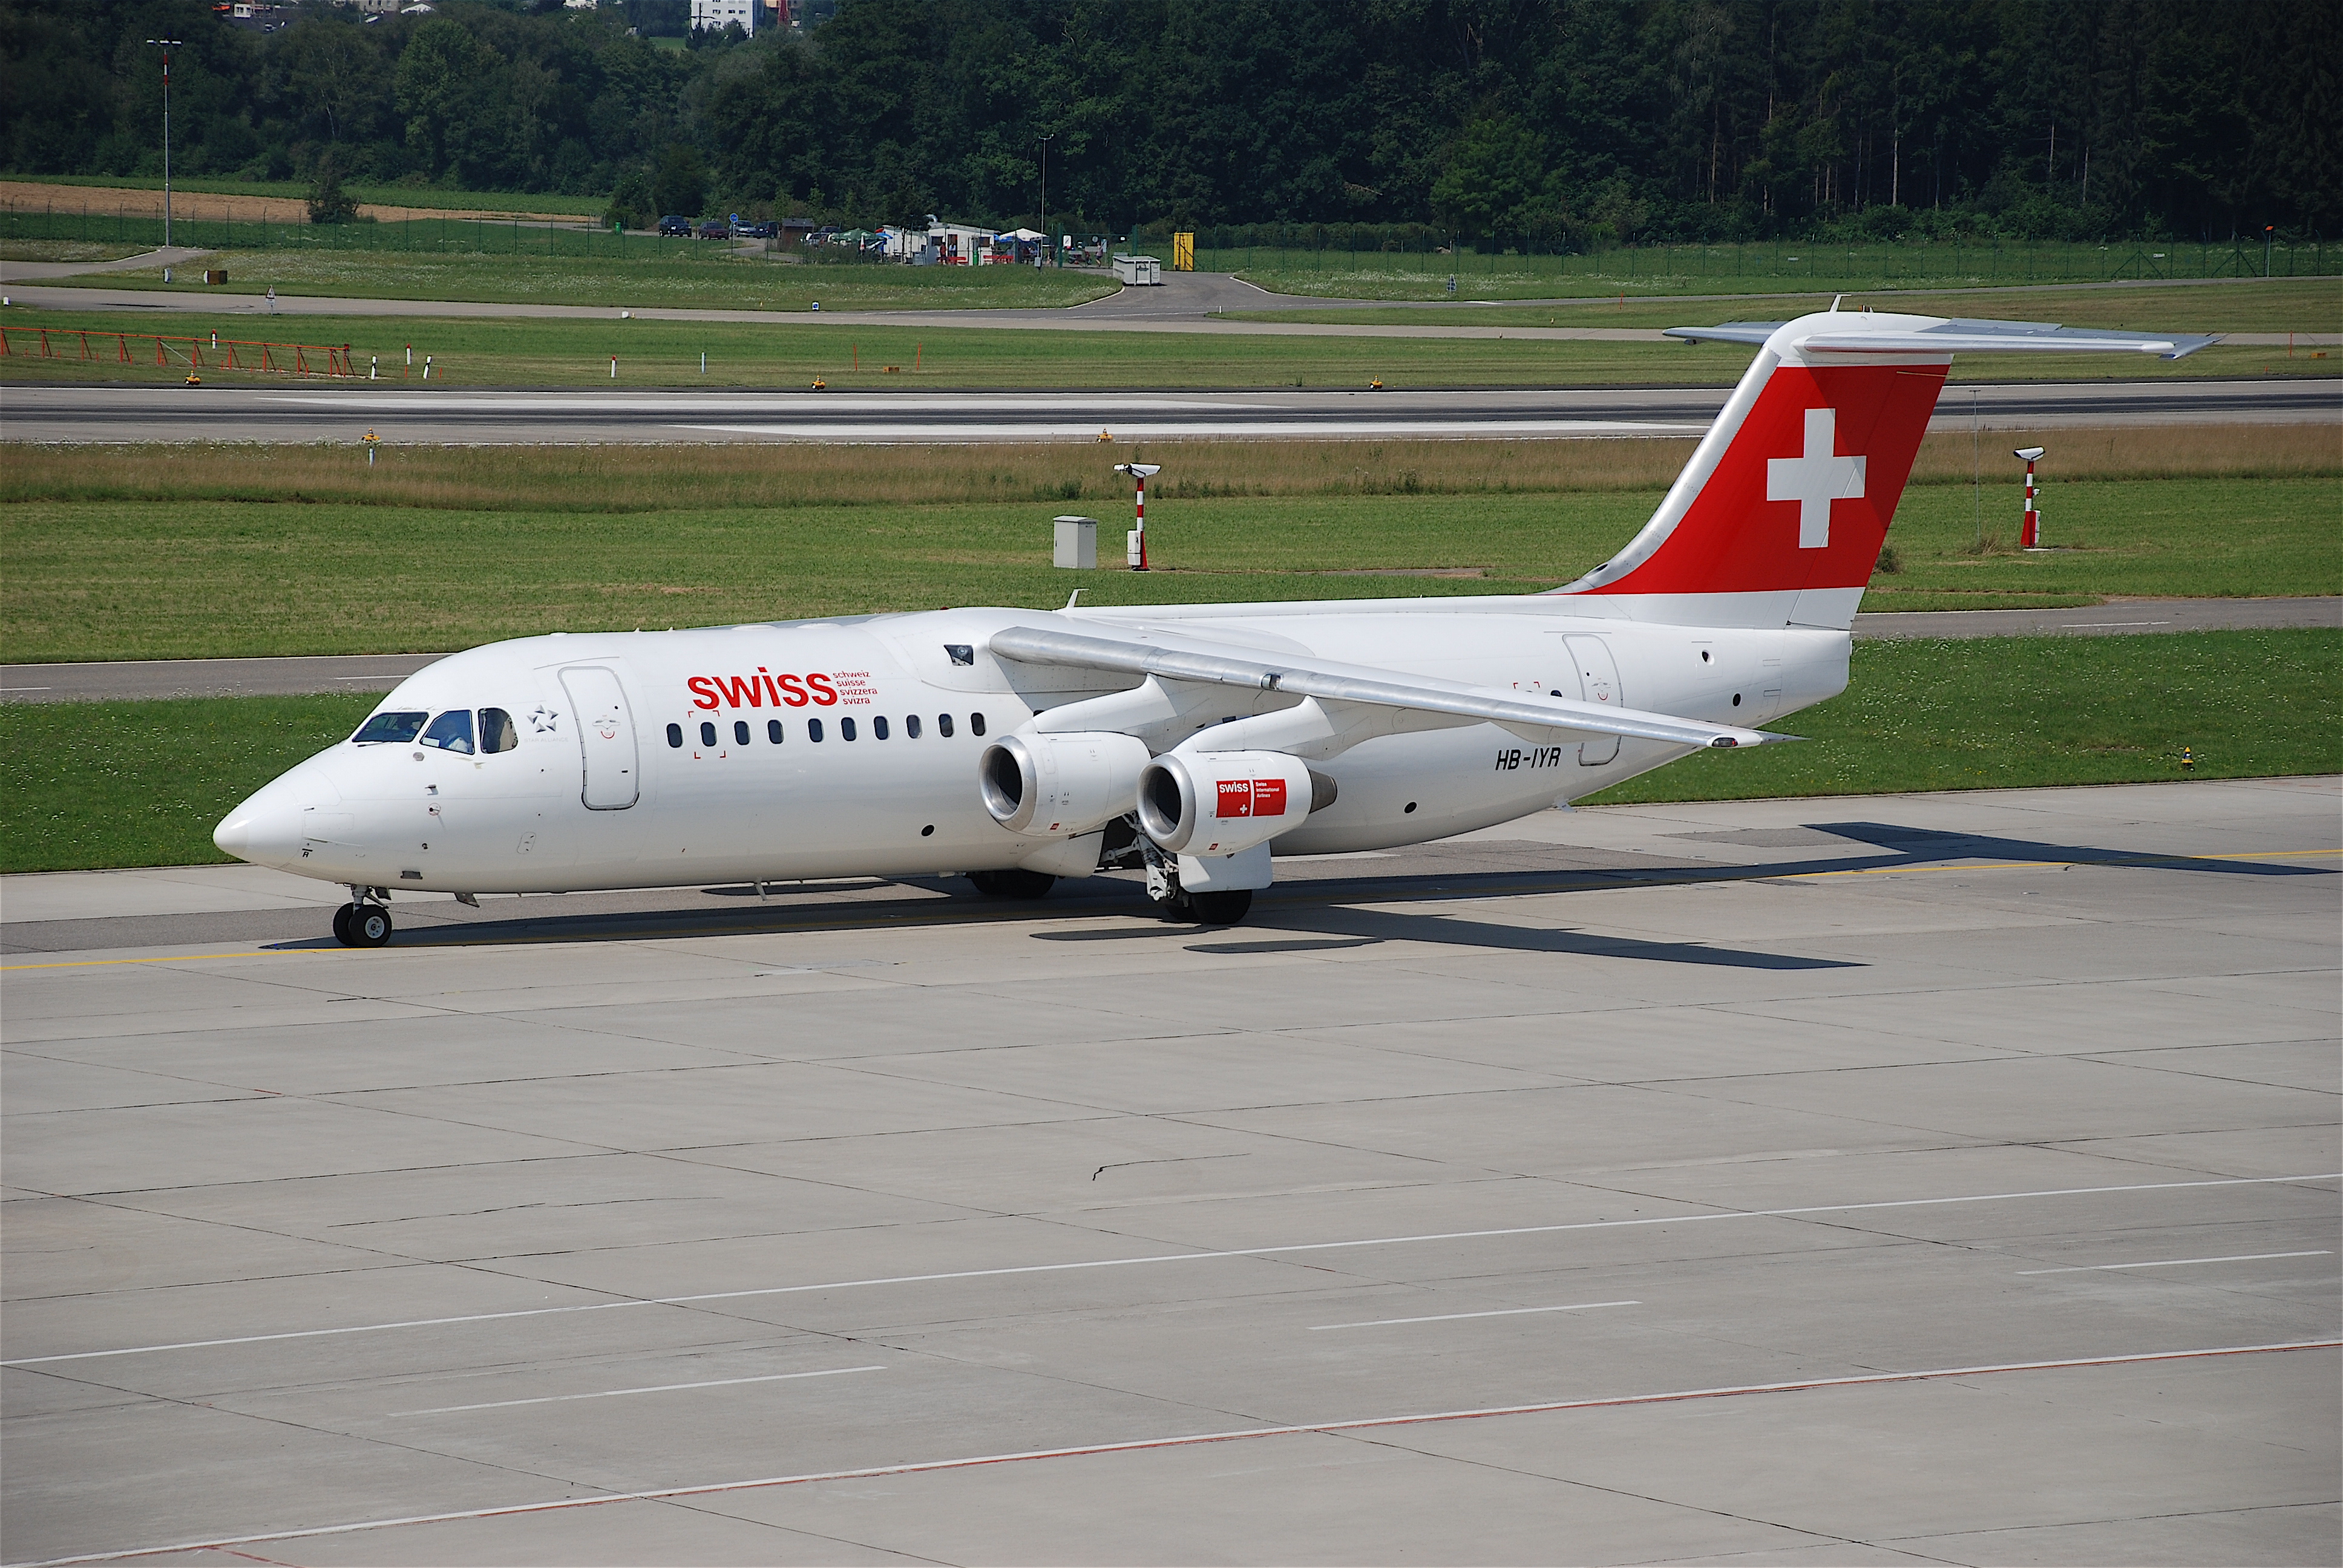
(311, 412)
(1934, 1178)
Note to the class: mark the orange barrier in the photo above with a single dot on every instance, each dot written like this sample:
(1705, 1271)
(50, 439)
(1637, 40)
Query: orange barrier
(225, 354)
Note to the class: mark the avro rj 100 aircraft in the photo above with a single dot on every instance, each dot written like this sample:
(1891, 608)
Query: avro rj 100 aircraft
(1018, 745)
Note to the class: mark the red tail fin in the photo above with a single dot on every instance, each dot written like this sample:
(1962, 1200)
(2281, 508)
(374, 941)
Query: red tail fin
(1790, 494)
(1779, 516)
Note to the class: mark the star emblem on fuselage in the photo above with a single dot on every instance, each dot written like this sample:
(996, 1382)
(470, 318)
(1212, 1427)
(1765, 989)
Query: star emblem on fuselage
(542, 720)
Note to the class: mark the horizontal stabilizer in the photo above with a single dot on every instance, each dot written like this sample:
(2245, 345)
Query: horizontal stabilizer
(1332, 682)
(1853, 332)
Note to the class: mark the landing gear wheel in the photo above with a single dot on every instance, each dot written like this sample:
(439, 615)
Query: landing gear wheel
(342, 926)
(1221, 909)
(369, 925)
(1013, 884)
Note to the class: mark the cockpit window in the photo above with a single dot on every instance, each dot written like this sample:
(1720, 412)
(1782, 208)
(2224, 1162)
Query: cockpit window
(389, 729)
(497, 731)
(451, 731)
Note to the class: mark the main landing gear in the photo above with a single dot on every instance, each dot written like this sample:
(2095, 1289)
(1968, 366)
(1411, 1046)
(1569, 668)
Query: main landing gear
(1174, 902)
(362, 922)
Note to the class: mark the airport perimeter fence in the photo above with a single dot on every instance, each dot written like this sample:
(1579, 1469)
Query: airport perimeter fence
(1419, 258)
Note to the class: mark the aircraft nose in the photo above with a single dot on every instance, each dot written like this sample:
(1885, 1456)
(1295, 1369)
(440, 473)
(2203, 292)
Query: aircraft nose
(268, 828)
(265, 829)
(264, 833)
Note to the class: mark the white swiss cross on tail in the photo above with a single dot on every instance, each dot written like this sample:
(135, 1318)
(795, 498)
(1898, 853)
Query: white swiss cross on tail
(1816, 479)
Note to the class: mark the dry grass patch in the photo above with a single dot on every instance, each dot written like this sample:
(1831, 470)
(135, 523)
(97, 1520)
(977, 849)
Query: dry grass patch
(635, 479)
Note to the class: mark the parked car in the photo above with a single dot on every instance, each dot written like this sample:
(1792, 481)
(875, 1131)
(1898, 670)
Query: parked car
(674, 226)
(756, 230)
(715, 228)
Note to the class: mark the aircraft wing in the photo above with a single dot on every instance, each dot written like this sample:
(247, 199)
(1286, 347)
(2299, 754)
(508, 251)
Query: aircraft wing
(1953, 337)
(1340, 683)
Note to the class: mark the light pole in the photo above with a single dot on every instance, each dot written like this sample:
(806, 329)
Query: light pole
(1046, 237)
(166, 46)
(2269, 234)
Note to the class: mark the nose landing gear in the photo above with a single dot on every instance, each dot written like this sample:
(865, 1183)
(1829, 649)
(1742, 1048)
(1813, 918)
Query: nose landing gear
(362, 922)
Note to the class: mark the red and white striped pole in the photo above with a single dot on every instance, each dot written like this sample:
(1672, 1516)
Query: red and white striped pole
(1135, 543)
(2029, 531)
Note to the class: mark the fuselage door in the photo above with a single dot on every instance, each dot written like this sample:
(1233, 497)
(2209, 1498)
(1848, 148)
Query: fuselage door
(606, 734)
(1598, 681)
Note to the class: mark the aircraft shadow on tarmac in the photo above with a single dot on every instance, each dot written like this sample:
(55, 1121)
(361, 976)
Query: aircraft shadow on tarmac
(1317, 912)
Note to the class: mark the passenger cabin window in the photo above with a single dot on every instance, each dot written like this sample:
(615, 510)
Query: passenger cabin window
(878, 727)
(451, 731)
(912, 725)
(497, 731)
(739, 732)
(707, 734)
(976, 724)
(943, 725)
(389, 729)
(813, 731)
(675, 736)
(773, 730)
(846, 729)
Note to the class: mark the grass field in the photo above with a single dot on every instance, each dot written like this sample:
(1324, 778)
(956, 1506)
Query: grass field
(64, 250)
(88, 785)
(2281, 305)
(529, 353)
(1771, 267)
(677, 273)
(1998, 713)
(127, 553)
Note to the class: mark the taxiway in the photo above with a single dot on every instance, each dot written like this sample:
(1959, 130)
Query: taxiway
(1935, 1178)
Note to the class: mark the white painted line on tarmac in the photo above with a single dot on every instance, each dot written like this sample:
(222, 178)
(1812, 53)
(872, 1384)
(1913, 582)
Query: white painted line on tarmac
(1175, 1258)
(1184, 1440)
(1460, 1317)
(2174, 1262)
(618, 1392)
(2096, 625)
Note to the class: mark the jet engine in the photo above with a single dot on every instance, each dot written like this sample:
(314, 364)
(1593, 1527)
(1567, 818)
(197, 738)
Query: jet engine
(1222, 802)
(1059, 784)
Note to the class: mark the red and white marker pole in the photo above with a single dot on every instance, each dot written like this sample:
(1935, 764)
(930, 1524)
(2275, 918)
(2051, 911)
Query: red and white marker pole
(2030, 530)
(1135, 542)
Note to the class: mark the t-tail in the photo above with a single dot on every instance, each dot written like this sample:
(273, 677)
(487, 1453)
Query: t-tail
(1779, 518)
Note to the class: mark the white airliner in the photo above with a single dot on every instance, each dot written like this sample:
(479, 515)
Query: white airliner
(1019, 746)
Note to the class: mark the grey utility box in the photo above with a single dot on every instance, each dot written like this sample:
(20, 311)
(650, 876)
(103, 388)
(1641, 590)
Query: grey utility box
(1140, 271)
(1077, 544)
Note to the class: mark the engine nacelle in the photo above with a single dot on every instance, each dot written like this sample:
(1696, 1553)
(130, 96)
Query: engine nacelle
(1220, 802)
(1059, 784)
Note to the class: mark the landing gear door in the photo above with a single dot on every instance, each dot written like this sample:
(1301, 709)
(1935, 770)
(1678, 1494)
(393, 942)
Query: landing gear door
(1598, 682)
(606, 734)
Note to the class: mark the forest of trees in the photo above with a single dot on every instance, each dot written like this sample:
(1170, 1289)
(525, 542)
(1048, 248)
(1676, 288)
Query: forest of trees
(1554, 123)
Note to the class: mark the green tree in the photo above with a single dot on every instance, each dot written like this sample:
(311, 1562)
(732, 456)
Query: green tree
(680, 185)
(438, 87)
(328, 202)
(1496, 170)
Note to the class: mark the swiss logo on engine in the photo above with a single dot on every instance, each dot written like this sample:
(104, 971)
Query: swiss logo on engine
(1252, 798)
